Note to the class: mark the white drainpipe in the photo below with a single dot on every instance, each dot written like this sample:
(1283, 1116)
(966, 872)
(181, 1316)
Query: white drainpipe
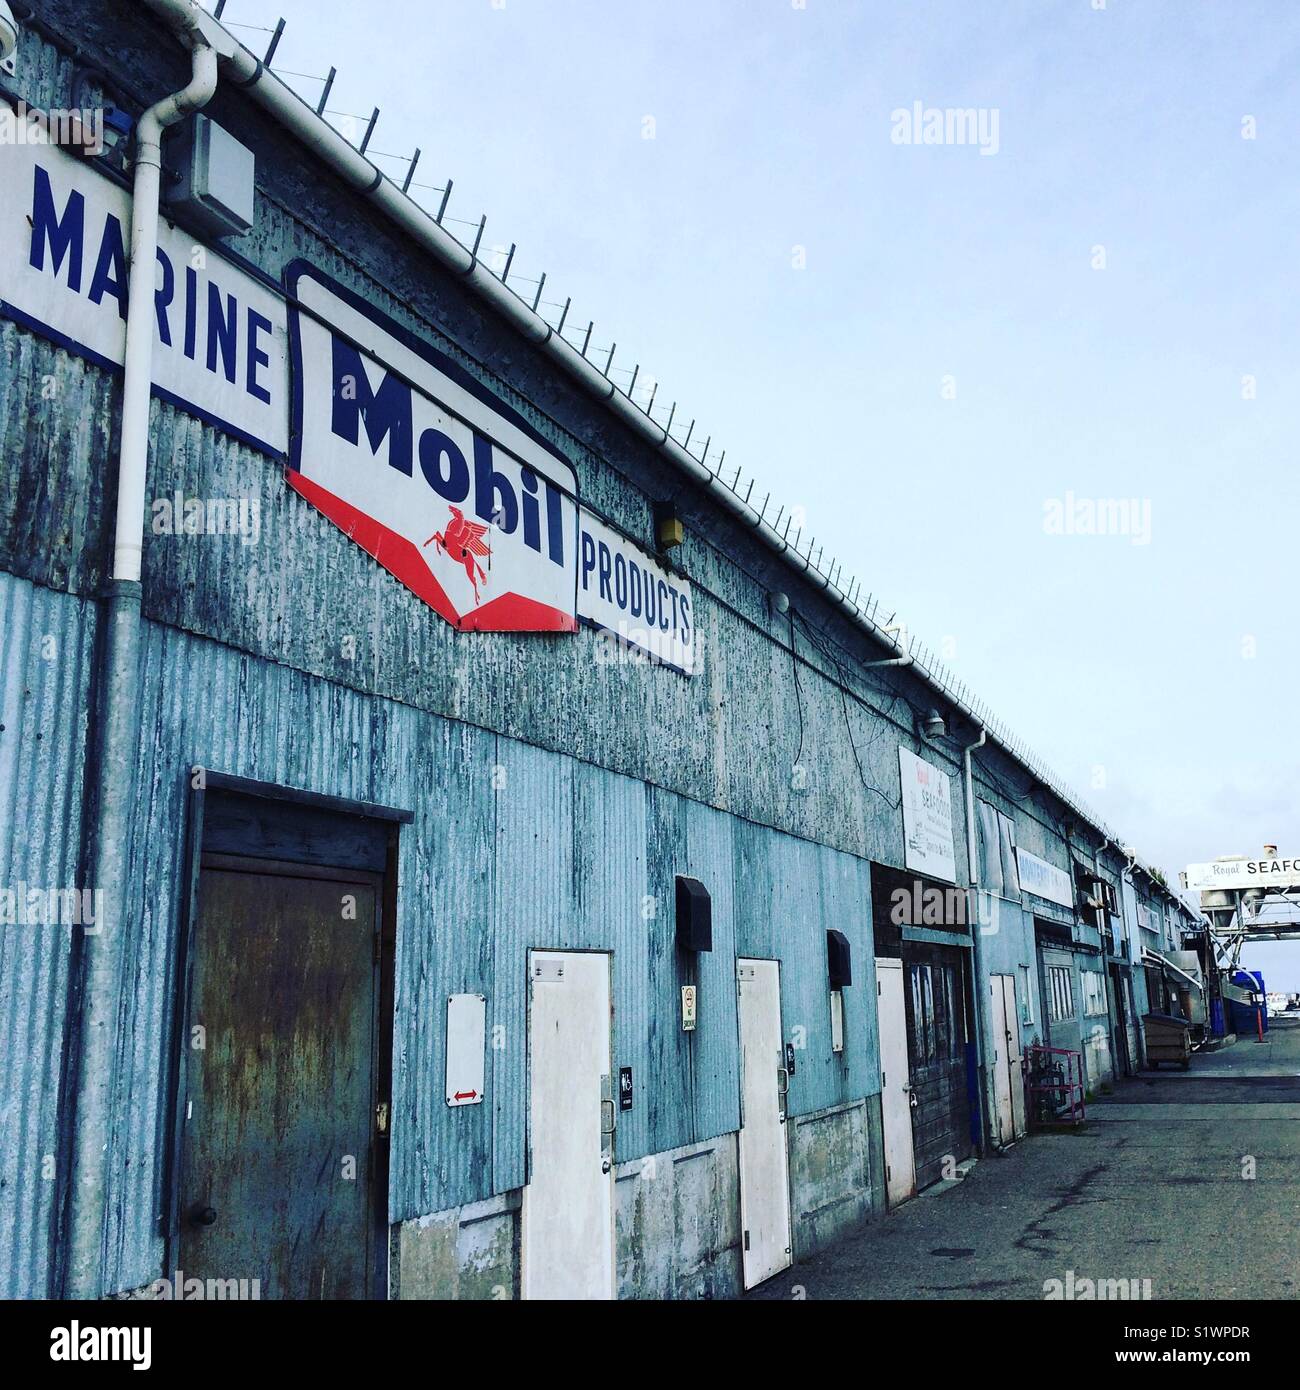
(138, 376)
(983, 1059)
(100, 960)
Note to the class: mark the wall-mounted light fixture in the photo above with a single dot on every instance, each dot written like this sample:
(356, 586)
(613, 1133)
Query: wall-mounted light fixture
(780, 602)
(8, 39)
(933, 725)
(839, 969)
(694, 915)
(669, 529)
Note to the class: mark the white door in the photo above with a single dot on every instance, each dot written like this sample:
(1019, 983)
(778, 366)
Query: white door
(568, 1207)
(1015, 1056)
(895, 1083)
(764, 1170)
(1007, 1059)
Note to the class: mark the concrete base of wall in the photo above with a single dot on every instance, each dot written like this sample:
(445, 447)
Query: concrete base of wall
(677, 1234)
(677, 1220)
(836, 1172)
(470, 1252)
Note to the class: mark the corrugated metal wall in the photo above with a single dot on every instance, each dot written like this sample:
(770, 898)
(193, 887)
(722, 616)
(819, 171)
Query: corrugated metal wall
(46, 643)
(512, 847)
(555, 795)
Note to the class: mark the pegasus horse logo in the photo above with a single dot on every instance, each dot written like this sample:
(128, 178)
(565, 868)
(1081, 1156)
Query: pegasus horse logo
(463, 541)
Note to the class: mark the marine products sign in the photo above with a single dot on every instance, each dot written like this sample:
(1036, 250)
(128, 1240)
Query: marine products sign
(220, 344)
(441, 481)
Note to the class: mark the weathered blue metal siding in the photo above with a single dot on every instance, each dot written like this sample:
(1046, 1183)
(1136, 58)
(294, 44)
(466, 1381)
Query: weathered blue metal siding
(512, 847)
(555, 795)
(46, 642)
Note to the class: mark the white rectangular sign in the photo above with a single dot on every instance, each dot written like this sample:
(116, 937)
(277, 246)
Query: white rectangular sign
(220, 339)
(451, 490)
(466, 1041)
(1243, 873)
(1044, 880)
(625, 591)
(927, 818)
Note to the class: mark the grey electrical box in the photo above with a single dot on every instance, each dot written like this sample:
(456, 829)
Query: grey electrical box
(216, 173)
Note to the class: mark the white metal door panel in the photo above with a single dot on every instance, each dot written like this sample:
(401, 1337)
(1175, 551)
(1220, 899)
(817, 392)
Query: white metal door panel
(567, 1247)
(999, 1043)
(896, 1089)
(764, 1162)
(1015, 1055)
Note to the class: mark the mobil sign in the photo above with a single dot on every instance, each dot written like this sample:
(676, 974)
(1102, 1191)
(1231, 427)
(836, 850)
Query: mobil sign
(448, 488)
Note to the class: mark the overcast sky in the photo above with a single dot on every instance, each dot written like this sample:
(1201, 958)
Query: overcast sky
(931, 348)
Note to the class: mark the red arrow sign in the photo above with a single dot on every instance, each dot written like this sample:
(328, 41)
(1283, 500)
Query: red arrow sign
(465, 1095)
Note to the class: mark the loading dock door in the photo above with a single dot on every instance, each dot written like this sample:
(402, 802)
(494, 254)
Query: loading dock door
(1008, 1060)
(764, 1161)
(895, 1088)
(568, 1207)
(277, 1159)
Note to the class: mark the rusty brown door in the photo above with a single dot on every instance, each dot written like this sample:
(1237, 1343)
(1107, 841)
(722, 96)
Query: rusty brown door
(936, 1019)
(279, 1102)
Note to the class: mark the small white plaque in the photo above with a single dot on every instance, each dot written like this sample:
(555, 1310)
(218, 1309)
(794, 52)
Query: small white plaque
(466, 1039)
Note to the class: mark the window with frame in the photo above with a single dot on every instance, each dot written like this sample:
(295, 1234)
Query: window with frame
(937, 1027)
(1060, 993)
(1094, 992)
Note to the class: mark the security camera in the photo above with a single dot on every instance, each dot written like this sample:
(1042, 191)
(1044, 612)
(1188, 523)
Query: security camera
(8, 32)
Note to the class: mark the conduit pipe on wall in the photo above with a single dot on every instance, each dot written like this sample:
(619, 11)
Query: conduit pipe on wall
(979, 986)
(101, 951)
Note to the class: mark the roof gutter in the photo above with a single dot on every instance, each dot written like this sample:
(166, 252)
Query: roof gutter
(244, 70)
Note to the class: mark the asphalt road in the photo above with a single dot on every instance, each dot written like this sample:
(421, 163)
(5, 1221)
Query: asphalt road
(1188, 1180)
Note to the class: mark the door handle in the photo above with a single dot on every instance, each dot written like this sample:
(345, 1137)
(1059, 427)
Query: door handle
(607, 1109)
(782, 1090)
(201, 1215)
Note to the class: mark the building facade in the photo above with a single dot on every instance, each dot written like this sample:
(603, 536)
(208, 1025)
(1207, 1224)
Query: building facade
(539, 909)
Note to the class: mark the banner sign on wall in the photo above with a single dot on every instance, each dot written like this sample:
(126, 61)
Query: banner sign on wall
(927, 818)
(220, 341)
(1044, 880)
(448, 488)
(627, 592)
